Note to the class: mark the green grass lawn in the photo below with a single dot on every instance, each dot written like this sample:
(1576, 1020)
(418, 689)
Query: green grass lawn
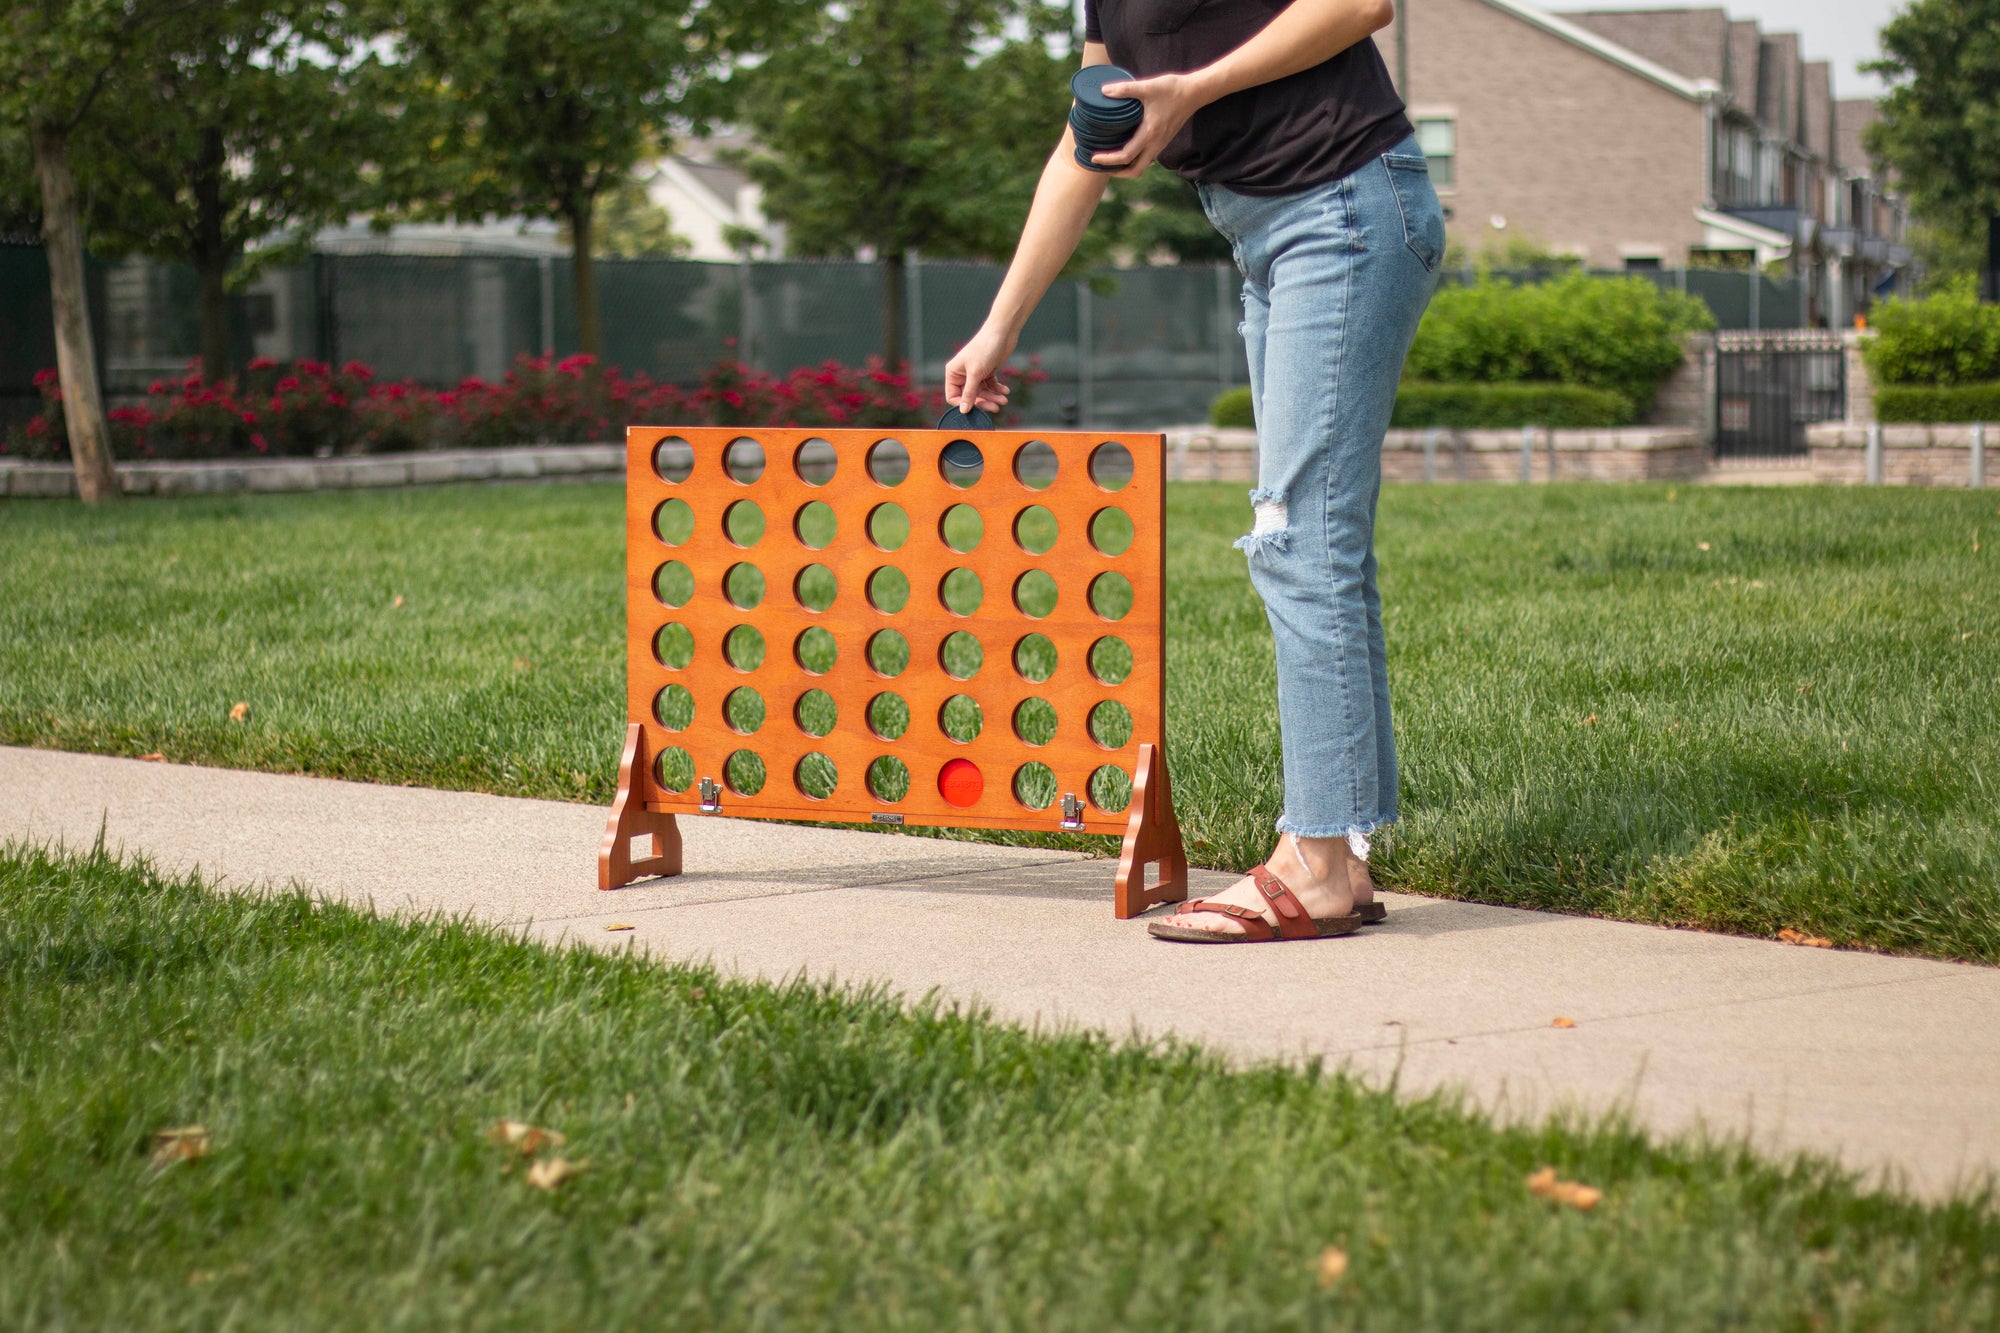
(1735, 709)
(793, 1157)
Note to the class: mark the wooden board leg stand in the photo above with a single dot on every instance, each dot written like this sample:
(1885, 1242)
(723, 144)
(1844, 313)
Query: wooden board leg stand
(630, 819)
(1152, 837)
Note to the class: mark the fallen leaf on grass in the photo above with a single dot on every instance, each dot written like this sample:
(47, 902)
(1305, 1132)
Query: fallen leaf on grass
(553, 1171)
(398, 603)
(1701, 546)
(1563, 1023)
(525, 1138)
(181, 1143)
(1799, 937)
(1545, 1184)
(1590, 721)
(1806, 688)
(239, 712)
(1332, 1266)
(154, 758)
(621, 925)
(523, 664)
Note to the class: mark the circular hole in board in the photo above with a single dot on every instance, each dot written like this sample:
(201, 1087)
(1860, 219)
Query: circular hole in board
(961, 463)
(961, 527)
(743, 460)
(1111, 466)
(1035, 722)
(1111, 789)
(816, 461)
(888, 527)
(743, 648)
(1035, 594)
(1111, 660)
(1111, 596)
(1034, 785)
(1110, 724)
(815, 651)
(743, 710)
(674, 769)
(888, 462)
(960, 718)
(743, 586)
(961, 783)
(961, 592)
(743, 523)
(674, 646)
(888, 716)
(888, 590)
(673, 459)
(888, 779)
(1035, 465)
(673, 584)
(1035, 657)
(815, 588)
(961, 655)
(743, 771)
(1111, 531)
(816, 525)
(673, 521)
(816, 713)
(1035, 530)
(815, 776)
(674, 707)
(888, 653)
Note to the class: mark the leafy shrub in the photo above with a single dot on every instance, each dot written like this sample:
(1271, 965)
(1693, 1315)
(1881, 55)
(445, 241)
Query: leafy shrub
(1618, 334)
(1947, 339)
(310, 409)
(1489, 406)
(1231, 410)
(1932, 402)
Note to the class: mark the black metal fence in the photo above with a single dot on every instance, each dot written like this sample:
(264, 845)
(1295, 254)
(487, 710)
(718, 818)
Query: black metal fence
(1771, 386)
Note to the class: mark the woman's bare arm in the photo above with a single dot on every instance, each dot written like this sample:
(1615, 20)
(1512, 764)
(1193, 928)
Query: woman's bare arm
(1065, 198)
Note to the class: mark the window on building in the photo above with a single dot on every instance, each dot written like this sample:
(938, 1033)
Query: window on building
(1438, 137)
(1642, 263)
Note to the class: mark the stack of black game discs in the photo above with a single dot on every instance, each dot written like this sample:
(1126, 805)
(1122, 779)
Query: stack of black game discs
(1101, 124)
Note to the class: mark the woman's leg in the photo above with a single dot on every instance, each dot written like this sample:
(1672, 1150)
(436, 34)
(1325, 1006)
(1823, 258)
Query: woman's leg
(1335, 286)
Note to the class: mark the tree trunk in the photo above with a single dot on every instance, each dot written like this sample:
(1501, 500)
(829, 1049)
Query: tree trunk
(893, 301)
(211, 258)
(582, 224)
(76, 356)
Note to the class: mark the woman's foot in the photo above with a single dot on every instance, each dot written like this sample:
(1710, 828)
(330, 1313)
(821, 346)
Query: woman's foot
(1325, 874)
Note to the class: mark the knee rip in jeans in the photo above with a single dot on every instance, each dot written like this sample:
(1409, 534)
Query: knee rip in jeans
(1268, 531)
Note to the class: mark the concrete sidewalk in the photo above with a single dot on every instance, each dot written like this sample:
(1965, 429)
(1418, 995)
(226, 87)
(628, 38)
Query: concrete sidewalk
(1891, 1065)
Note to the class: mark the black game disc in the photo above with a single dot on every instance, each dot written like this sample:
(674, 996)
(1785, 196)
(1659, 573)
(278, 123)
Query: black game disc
(976, 419)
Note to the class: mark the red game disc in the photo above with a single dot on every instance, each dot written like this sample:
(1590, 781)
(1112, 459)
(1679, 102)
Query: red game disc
(961, 783)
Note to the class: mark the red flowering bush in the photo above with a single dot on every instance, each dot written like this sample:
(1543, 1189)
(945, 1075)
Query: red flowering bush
(310, 409)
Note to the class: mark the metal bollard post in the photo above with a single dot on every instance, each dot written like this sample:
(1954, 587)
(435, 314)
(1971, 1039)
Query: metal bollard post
(1978, 455)
(1457, 454)
(1552, 452)
(1431, 454)
(1527, 453)
(1875, 453)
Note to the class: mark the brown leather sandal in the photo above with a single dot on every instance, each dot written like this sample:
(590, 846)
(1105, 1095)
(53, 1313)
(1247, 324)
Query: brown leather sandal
(1293, 921)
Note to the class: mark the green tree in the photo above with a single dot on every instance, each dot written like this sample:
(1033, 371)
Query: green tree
(56, 56)
(243, 122)
(544, 106)
(900, 125)
(1940, 125)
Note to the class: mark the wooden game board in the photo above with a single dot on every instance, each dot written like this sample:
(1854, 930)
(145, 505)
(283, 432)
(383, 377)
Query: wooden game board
(758, 686)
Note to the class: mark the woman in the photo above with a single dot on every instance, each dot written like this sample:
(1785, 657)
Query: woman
(1284, 117)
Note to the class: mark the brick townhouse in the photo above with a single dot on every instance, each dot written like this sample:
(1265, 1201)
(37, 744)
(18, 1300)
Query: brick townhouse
(1644, 139)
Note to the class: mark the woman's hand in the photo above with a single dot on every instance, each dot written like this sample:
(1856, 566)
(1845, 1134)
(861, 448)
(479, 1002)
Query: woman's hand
(972, 378)
(1170, 100)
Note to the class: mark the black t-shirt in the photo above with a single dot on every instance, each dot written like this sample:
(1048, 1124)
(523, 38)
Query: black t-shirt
(1278, 138)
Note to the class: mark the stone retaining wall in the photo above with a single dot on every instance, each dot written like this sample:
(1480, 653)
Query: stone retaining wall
(1631, 453)
(223, 476)
(1912, 455)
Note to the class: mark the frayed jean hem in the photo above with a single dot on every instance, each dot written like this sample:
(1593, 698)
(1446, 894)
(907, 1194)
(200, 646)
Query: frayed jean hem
(1363, 829)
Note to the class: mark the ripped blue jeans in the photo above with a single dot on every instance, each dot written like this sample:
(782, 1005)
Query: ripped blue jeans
(1335, 279)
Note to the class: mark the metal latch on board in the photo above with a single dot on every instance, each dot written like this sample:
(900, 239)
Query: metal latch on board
(1072, 810)
(711, 797)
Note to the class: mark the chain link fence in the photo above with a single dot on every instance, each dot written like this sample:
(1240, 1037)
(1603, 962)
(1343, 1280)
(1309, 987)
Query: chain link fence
(1134, 348)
